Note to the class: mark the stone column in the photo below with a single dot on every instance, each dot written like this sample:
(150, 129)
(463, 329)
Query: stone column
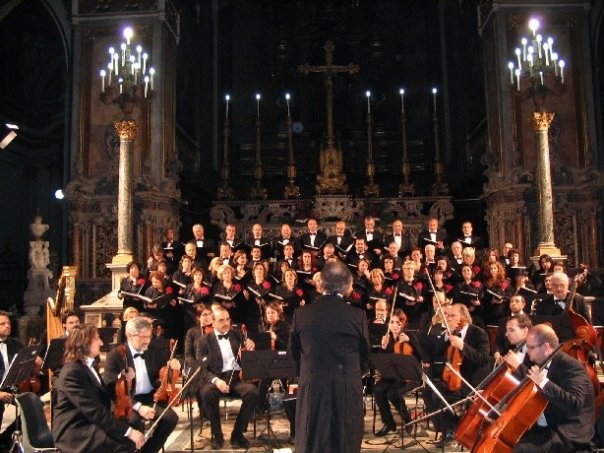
(127, 131)
(541, 123)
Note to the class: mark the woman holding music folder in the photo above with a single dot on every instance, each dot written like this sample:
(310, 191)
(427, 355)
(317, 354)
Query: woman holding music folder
(386, 391)
(290, 294)
(227, 293)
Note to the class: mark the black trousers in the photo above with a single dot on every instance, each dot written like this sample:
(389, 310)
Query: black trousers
(388, 391)
(546, 440)
(445, 421)
(164, 427)
(210, 397)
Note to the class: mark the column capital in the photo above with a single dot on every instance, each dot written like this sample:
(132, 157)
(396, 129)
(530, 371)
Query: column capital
(542, 120)
(126, 129)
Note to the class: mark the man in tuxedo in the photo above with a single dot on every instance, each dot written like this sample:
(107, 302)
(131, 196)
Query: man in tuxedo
(473, 343)
(342, 240)
(433, 235)
(225, 252)
(513, 350)
(231, 236)
(220, 352)
(258, 239)
(556, 306)
(313, 239)
(173, 250)
(330, 348)
(372, 236)
(141, 366)
(505, 251)
(286, 237)
(468, 238)
(400, 236)
(360, 251)
(567, 424)
(82, 417)
(206, 247)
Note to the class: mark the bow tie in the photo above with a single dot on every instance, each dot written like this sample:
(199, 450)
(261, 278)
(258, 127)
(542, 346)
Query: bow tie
(140, 354)
(2, 341)
(223, 337)
(312, 234)
(369, 232)
(559, 301)
(396, 235)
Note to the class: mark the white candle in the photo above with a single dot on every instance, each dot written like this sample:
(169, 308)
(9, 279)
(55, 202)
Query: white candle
(103, 73)
(123, 47)
(146, 85)
(524, 42)
(518, 52)
(151, 72)
(533, 25)
(511, 68)
(115, 63)
(132, 66)
(139, 51)
(258, 105)
(121, 85)
(111, 52)
(539, 39)
(434, 91)
(541, 76)
(517, 72)
(128, 33)
(287, 97)
(550, 42)
(546, 52)
(562, 64)
(554, 63)
(110, 67)
(228, 98)
(145, 56)
(402, 93)
(368, 94)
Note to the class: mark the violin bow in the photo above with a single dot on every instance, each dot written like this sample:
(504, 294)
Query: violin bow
(440, 307)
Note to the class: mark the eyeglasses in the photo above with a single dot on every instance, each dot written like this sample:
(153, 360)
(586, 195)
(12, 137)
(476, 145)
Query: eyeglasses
(534, 346)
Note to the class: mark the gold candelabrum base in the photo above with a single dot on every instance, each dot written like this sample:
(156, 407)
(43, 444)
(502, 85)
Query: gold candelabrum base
(371, 189)
(406, 189)
(291, 191)
(440, 187)
(332, 184)
(258, 192)
(225, 192)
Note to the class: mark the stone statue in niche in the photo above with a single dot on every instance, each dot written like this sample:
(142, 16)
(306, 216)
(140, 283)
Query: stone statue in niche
(38, 275)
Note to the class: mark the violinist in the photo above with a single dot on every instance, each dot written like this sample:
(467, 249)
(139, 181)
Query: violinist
(469, 342)
(378, 324)
(82, 419)
(556, 306)
(141, 368)
(514, 351)
(388, 391)
(567, 424)
(204, 326)
(221, 352)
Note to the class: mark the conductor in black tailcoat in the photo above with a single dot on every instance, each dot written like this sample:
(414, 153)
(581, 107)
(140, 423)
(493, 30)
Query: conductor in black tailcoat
(82, 418)
(330, 348)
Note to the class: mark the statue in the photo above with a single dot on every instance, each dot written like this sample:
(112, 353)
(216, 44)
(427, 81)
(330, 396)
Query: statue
(38, 275)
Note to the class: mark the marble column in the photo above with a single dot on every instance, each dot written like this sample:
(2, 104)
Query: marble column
(541, 123)
(127, 131)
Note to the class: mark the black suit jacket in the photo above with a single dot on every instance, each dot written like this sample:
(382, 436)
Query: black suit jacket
(82, 418)
(548, 310)
(210, 354)
(424, 239)
(405, 243)
(320, 240)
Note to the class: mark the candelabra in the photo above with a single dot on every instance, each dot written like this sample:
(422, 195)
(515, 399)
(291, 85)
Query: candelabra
(439, 187)
(537, 61)
(406, 187)
(258, 191)
(128, 80)
(225, 191)
(291, 190)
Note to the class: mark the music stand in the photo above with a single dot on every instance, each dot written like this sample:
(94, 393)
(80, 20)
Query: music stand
(397, 367)
(268, 365)
(262, 340)
(53, 358)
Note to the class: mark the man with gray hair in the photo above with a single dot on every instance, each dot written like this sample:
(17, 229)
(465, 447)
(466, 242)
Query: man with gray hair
(140, 365)
(330, 348)
(555, 306)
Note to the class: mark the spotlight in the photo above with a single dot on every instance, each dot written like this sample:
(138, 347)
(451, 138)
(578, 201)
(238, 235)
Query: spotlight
(59, 195)
(9, 134)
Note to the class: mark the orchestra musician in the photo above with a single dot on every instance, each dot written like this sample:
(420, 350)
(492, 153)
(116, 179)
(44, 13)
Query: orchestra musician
(221, 353)
(514, 352)
(567, 424)
(473, 344)
(388, 391)
(82, 418)
(379, 322)
(141, 367)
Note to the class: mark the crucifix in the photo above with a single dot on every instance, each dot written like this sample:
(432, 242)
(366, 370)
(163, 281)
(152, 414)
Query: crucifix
(331, 180)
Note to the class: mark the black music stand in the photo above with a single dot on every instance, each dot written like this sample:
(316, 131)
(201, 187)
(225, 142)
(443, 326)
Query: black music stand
(53, 359)
(397, 367)
(268, 365)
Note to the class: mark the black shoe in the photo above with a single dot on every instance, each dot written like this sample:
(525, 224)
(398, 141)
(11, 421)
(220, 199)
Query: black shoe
(385, 430)
(446, 440)
(238, 441)
(217, 443)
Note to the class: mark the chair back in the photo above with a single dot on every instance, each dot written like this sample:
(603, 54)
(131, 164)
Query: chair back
(34, 428)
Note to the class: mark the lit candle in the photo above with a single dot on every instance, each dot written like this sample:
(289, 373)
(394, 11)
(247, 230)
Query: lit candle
(546, 52)
(258, 105)
(151, 72)
(368, 94)
(550, 42)
(128, 32)
(434, 91)
(121, 81)
(562, 64)
(518, 52)
(145, 56)
(554, 62)
(541, 76)
(530, 59)
(111, 52)
(524, 42)
(402, 93)
(287, 98)
(103, 73)
(533, 25)
(517, 72)
(228, 98)
(139, 51)
(115, 63)
(132, 66)
(511, 67)
(146, 85)
(539, 39)
(110, 67)
(123, 47)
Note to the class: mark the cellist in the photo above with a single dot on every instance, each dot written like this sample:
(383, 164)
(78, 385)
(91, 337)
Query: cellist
(567, 423)
(468, 341)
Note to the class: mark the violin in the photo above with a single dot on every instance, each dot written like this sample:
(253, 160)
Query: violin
(403, 348)
(32, 384)
(168, 377)
(123, 389)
